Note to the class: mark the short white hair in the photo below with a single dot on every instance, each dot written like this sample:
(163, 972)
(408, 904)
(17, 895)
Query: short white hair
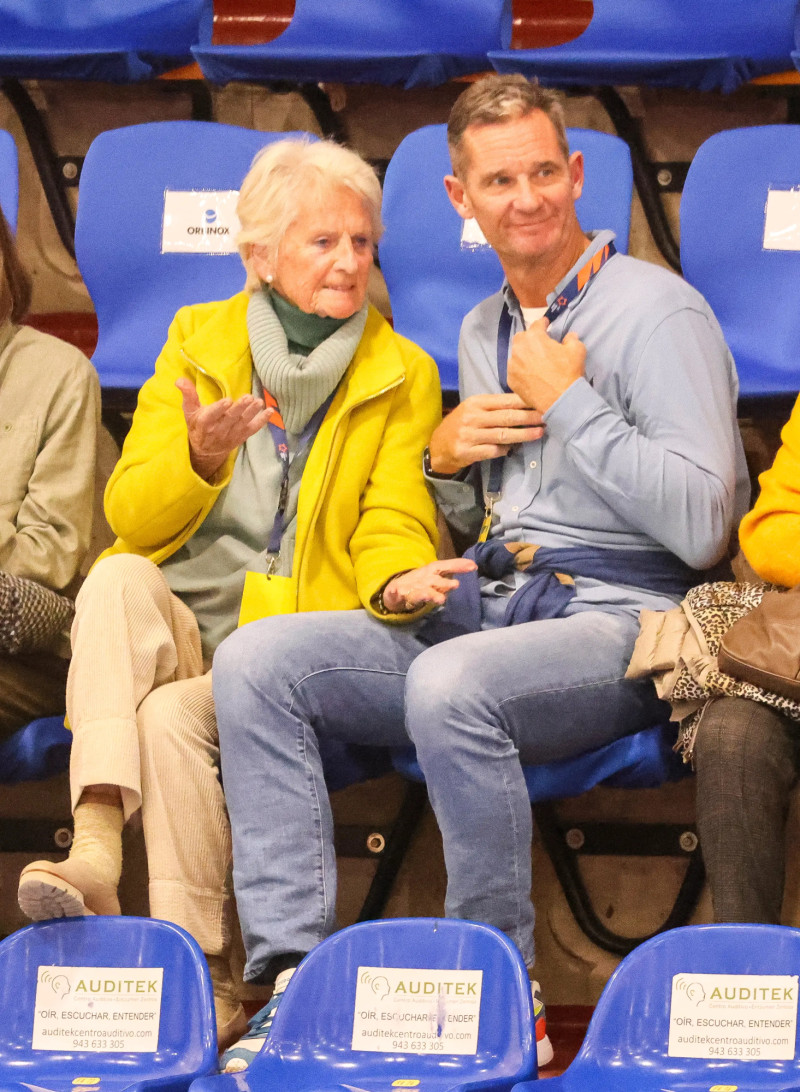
(268, 197)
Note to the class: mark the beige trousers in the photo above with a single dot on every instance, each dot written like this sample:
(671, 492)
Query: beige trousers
(142, 713)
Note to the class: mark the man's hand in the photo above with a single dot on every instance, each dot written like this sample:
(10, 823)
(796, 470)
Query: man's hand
(428, 584)
(217, 430)
(484, 426)
(540, 368)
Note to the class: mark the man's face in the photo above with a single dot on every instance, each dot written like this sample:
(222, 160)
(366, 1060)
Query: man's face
(520, 188)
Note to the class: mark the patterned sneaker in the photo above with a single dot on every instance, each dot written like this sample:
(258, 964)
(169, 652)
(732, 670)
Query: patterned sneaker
(544, 1048)
(240, 1056)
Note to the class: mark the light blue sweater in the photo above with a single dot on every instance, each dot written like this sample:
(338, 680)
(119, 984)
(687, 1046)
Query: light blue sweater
(644, 452)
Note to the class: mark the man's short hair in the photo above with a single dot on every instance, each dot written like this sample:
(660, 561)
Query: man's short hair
(495, 99)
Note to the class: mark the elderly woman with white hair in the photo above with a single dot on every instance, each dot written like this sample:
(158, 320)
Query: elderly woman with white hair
(274, 465)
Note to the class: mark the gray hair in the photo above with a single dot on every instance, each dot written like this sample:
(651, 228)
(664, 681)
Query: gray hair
(495, 99)
(268, 196)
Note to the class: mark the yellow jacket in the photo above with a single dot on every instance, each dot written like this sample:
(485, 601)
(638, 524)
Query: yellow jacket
(770, 533)
(364, 511)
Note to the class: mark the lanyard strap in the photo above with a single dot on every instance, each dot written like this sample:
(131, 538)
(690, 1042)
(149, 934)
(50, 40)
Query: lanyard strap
(278, 432)
(559, 305)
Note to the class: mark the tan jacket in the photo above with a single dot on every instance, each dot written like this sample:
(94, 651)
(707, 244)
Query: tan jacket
(49, 418)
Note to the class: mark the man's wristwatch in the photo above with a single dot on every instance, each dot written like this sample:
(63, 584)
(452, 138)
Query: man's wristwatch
(428, 470)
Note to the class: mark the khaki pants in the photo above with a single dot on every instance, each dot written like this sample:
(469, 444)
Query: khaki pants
(141, 709)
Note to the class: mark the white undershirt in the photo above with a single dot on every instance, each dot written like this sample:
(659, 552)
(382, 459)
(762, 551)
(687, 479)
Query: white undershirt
(532, 314)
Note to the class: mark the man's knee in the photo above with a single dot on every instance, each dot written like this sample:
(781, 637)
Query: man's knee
(438, 681)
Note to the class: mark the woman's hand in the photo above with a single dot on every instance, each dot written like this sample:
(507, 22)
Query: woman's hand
(217, 430)
(429, 584)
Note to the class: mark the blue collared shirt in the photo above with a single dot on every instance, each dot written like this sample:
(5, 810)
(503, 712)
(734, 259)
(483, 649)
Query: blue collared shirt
(643, 452)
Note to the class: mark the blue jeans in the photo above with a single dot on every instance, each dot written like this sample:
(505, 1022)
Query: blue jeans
(476, 707)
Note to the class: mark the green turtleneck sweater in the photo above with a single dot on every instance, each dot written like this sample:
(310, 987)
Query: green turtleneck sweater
(208, 571)
(304, 331)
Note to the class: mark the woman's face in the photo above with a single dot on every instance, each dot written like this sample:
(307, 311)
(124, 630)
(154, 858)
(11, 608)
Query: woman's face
(324, 259)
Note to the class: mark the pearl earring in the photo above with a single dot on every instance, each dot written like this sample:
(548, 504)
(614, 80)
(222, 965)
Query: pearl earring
(269, 278)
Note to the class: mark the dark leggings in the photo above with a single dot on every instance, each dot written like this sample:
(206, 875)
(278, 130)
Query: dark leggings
(747, 757)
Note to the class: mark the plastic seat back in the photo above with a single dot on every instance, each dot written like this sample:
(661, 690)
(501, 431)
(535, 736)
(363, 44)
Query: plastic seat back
(152, 197)
(99, 39)
(692, 986)
(9, 178)
(442, 1003)
(740, 247)
(418, 43)
(38, 750)
(125, 1001)
(670, 43)
(434, 274)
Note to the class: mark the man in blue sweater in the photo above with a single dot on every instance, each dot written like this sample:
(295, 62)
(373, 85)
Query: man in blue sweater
(596, 458)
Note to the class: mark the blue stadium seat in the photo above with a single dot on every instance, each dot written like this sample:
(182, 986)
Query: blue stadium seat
(311, 1043)
(417, 43)
(98, 39)
(433, 278)
(643, 760)
(48, 970)
(35, 752)
(627, 1045)
(751, 288)
(136, 289)
(669, 43)
(41, 749)
(9, 178)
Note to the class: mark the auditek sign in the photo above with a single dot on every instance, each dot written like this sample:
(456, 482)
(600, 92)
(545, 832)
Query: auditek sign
(417, 1011)
(733, 1016)
(97, 1008)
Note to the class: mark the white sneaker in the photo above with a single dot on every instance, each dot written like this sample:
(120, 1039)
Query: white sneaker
(544, 1048)
(238, 1057)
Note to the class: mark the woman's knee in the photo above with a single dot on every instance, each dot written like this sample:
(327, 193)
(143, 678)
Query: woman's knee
(118, 573)
(736, 733)
(177, 716)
